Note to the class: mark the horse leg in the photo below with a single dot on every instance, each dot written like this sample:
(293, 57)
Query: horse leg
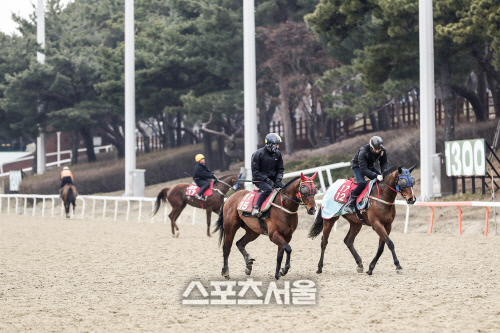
(249, 236)
(66, 208)
(349, 242)
(226, 248)
(383, 233)
(327, 228)
(209, 220)
(74, 204)
(283, 246)
(285, 269)
(174, 215)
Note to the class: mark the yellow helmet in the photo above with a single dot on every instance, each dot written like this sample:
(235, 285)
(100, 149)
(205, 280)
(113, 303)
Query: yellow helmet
(199, 157)
(65, 168)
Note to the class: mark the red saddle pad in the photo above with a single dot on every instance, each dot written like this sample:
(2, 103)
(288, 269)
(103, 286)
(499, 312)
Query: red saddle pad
(192, 189)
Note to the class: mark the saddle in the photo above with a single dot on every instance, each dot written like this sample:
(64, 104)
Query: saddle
(193, 189)
(337, 196)
(250, 199)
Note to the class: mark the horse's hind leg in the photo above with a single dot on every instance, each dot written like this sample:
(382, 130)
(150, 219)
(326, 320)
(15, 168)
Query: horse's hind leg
(349, 242)
(327, 228)
(249, 236)
(174, 215)
(383, 232)
(74, 204)
(229, 234)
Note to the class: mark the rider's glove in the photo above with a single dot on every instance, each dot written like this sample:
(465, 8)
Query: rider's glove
(279, 183)
(270, 182)
(380, 178)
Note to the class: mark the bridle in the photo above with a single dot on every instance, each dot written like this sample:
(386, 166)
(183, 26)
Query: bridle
(405, 180)
(306, 189)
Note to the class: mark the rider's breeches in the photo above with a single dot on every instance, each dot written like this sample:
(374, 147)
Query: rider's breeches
(204, 185)
(66, 180)
(265, 190)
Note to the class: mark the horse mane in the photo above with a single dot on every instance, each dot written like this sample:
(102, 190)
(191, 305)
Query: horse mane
(291, 182)
(391, 170)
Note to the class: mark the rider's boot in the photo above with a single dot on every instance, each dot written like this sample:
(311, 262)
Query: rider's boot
(350, 206)
(256, 211)
(198, 196)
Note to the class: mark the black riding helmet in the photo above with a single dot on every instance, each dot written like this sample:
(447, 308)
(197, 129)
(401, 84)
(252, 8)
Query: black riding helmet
(272, 140)
(376, 142)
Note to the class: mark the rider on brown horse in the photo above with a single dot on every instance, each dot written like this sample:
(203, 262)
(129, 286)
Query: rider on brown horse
(66, 178)
(267, 170)
(363, 165)
(202, 176)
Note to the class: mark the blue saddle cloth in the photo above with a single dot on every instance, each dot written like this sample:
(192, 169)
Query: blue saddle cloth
(331, 208)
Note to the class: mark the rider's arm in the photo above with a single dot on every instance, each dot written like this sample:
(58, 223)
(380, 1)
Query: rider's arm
(363, 165)
(256, 173)
(280, 169)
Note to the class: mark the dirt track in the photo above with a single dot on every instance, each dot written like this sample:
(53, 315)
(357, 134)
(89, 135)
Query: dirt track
(86, 276)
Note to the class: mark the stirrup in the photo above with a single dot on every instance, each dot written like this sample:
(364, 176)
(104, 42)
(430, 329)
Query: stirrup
(256, 212)
(199, 197)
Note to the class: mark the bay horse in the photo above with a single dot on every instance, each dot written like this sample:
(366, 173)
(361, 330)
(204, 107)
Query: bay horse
(178, 199)
(379, 215)
(68, 196)
(281, 223)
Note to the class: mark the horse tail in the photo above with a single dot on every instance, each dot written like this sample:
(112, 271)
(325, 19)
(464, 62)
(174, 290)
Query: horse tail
(220, 224)
(317, 226)
(162, 196)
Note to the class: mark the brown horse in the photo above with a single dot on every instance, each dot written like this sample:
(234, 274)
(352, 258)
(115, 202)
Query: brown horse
(281, 223)
(178, 199)
(68, 196)
(379, 216)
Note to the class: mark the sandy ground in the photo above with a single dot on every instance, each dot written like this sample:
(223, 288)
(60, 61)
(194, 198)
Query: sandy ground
(104, 276)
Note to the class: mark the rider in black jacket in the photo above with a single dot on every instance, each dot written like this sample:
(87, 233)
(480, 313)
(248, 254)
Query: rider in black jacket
(202, 176)
(267, 169)
(363, 164)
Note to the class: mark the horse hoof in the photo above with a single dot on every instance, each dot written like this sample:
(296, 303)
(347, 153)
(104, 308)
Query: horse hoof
(277, 276)
(283, 272)
(225, 272)
(176, 234)
(248, 271)
(369, 272)
(319, 271)
(399, 271)
(359, 269)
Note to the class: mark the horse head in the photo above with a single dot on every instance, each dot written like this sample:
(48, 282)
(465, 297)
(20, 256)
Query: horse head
(306, 192)
(405, 183)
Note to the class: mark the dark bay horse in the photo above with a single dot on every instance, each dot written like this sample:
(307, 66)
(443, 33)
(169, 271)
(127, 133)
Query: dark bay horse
(68, 196)
(379, 216)
(281, 223)
(176, 196)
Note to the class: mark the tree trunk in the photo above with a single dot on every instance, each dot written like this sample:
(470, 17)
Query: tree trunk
(482, 113)
(178, 130)
(373, 120)
(208, 151)
(397, 111)
(86, 133)
(493, 86)
(383, 119)
(285, 114)
(74, 147)
(449, 106)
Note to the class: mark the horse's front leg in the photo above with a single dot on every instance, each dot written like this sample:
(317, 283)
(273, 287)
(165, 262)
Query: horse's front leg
(283, 246)
(384, 239)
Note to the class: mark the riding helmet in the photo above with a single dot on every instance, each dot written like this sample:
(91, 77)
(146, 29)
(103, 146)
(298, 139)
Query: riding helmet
(376, 143)
(65, 168)
(199, 157)
(272, 140)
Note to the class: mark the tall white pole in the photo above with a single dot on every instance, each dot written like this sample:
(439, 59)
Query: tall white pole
(40, 38)
(251, 138)
(129, 96)
(427, 114)
(58, 148)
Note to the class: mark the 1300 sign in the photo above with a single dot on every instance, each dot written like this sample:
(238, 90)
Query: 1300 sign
(465, 158)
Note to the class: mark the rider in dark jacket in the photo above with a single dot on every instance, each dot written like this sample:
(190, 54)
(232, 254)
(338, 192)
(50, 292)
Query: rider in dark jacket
(267, 170)
(202, 176)
(363, 164)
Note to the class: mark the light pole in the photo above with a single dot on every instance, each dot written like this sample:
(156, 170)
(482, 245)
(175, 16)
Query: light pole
(250, 90)
(40, 38)
(427, 115)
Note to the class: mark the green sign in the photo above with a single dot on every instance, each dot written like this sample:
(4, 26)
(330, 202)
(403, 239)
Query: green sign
(465, 157)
